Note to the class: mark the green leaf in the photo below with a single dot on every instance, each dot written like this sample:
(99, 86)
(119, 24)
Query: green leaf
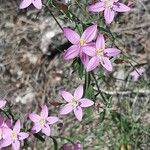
(55, 143)
(39, 137)
(102, 116)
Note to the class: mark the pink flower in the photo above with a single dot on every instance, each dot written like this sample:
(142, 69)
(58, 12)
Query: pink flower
(75, 102)
(76, 146)
(137, 73)
(79, 43)
(42, 121)
(100, 55)
(109, 7)
(2, 103)
(13, 136)
(26, 3)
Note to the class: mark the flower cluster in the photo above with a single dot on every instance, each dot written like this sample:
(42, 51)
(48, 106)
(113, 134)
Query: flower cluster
(12, 135)
(92, 54)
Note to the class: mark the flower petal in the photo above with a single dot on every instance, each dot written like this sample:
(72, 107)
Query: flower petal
(84, 102)
(84, 58)
(71, 52)
(36, 128)
(71, 35)
(37, 4)
(6, 132)
(44, 112)
(97, 7)
(78, 92)
(46, 130)
(89, 34)
(66, 109)
(109, 15)
(23, 135)
(16, 145)
(34, 117)
(89, 50)
(93, 63)
(52, 120)
(17, 126)
(5, 143)
(106, 63)
(100, 42)
(120, 7)
(25, 4)
(2, 103)
(78, 113)
(112, 52)
(66, 95)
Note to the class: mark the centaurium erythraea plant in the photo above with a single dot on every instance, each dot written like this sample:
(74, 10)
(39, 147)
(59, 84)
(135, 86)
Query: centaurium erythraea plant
(13, 136)
(2, 103)
(26, 3)
(75, 102)
(101, 55)
(42, 122)
(80, 43)
(109, 7)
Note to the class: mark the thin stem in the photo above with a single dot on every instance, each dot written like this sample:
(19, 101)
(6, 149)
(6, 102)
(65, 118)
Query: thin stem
(54, 17)
(99, 91)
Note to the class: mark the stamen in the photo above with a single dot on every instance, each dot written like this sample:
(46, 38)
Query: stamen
(99, 51)
(74, 102)
(82, 42)
(42, 121)
(13, 135)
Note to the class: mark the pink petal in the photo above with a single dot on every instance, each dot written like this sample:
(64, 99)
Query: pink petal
(89, 50)
(71, 35)
(100, 42)
(112, 52)
(84, 102)
(78, 113)
(93, 63)
(17, 127)
(23, 135)
(109, 15)
(16, 145)
(97, 7)
(36, 128)
(2, 103)
(6, 132)
(66, 109)
(34, 117)
(52, 120)
(78, 92)
(84, 58)
(25, 4)
(46, 130)
(66, 95)
(9, 123)
(5, 143)
(44, 112)
(119, 7)
(72, 52)
(37, 4)
(89, 34)
(106, 63)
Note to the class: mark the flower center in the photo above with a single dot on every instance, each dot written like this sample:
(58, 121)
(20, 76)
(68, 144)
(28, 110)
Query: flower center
(74, 102)
(82, 42)
(42, 121)
(99, 52)
(108, 3)
(13, 135)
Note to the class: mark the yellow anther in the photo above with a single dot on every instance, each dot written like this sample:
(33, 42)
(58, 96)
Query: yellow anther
(42, 121)
(99, 51)
(13, 135)
(74, 102)
(108, 3)
(82, 42)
